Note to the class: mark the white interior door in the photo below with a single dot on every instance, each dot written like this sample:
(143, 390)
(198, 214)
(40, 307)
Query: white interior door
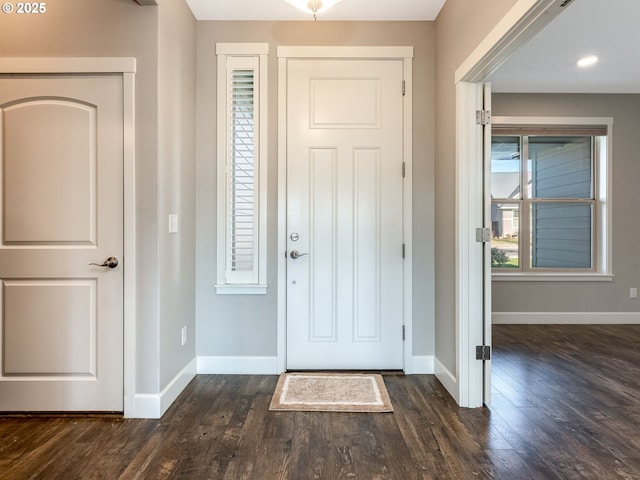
(344, 214)
(61, 157)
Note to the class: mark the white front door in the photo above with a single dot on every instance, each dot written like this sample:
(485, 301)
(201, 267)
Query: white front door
(344, 214)
(61, 208)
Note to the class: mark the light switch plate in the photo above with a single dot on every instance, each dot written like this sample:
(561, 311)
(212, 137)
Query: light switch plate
(173, 223)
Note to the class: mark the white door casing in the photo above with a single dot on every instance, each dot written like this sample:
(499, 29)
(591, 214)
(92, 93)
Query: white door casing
(346, 298)
(63, 154)
(522, 21)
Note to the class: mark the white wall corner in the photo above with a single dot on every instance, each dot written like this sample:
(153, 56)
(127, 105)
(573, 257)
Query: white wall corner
(154, 405)
(238, 365)
(447, 379)
(423, 365)
(565, 318)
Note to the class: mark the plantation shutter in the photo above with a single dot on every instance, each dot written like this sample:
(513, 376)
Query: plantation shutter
(241, 182)
(242, 194)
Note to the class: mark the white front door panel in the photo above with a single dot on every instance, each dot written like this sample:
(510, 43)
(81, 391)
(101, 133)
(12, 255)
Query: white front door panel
(344, 214)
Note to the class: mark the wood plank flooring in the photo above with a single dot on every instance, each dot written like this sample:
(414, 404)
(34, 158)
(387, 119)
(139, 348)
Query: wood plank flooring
(566, 405)
(567, 399)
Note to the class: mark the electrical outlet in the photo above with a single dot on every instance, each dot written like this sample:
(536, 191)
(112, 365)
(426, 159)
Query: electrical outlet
(184, 335)
(633, 292)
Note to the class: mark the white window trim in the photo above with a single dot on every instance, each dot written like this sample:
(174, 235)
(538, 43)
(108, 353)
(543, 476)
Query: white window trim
(260, 52)
(604, 231)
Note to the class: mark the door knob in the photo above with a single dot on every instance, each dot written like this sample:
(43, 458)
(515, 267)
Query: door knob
(111, 262)
(296, 254)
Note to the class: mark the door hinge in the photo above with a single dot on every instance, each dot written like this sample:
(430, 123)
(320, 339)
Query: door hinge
(483, 117)
(483, 352)
(404, 169)
(403, 333)
(404, 248)
(483, 235)
(404, 88)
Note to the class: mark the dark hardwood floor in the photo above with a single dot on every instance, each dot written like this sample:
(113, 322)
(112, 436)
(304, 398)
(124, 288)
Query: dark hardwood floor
(566, 405)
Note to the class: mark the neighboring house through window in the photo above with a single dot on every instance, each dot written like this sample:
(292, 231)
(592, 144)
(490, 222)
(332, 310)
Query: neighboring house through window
(242, 168)
(550, 201)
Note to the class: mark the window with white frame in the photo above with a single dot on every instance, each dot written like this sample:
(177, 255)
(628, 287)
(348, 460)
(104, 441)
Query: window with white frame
(242, 168)
(550, 208)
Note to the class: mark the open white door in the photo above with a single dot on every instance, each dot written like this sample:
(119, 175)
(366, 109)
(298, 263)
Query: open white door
(486, 161)
(473, 246)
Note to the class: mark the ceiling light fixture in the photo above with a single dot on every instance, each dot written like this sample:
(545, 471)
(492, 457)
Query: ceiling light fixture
(587, 61)
(313, 6)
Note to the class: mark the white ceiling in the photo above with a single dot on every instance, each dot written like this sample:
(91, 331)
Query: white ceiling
(547, 63)
(608, 28)
(345, 10)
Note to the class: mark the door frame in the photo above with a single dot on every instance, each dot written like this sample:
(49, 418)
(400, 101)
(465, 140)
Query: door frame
(525, 19)
(405, 54)
(125, 66)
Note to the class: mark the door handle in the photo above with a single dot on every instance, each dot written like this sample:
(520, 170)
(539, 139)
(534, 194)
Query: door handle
(111, 262)
(296, 254)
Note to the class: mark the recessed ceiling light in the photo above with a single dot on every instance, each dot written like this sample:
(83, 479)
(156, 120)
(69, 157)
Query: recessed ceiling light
(588, 61)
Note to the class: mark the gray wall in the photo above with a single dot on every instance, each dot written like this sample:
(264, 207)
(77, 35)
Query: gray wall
(176, 185)
(587, 296)
(460, 27)
(165, 99)
(231, 325)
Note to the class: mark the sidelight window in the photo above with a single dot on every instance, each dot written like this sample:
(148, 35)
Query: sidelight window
(242, 147)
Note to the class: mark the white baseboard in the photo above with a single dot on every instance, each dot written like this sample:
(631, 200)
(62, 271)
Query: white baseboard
(423, 365)
(565, 318)
(154, 405)
(238, 365)
(447, 379)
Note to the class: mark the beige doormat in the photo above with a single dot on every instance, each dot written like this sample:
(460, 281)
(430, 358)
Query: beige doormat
(331, 392)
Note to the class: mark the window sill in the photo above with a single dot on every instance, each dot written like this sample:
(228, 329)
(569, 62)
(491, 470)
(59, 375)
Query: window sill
(227, 289)
(552, 277)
